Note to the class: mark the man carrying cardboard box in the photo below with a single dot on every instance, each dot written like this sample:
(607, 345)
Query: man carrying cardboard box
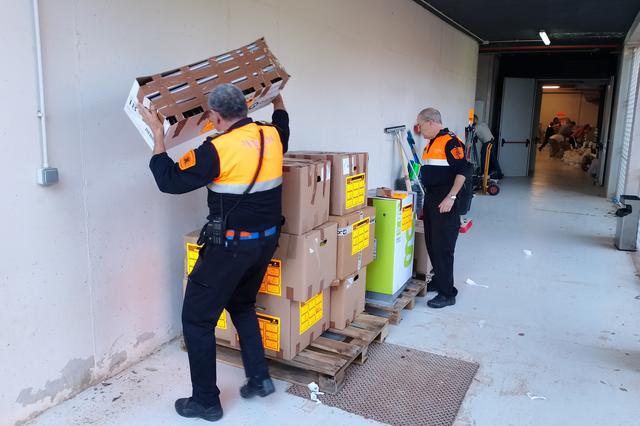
(242, 169)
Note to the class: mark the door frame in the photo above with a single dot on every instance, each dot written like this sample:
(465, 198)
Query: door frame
(603, 138)
(607, 126)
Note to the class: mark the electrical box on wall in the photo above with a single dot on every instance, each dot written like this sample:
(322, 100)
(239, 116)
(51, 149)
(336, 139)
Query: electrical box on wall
(47, 176)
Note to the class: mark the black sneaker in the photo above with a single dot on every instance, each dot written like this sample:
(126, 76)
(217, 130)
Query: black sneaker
(441, 301)
(260, 387)
(188, 407)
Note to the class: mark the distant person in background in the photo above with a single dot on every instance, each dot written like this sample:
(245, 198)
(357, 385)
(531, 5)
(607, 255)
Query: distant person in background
(567, 131)
(552, 129)
(556, 142)
(485, 137)
(580, 132)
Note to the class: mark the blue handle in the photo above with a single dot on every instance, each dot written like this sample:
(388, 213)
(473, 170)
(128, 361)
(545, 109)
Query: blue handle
(412, 144)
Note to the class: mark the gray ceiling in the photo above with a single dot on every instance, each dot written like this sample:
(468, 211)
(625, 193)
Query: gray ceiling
(567, 22)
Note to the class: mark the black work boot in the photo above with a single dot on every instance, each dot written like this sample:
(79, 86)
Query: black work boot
(261, 387)
(188, 407)
(441, 301)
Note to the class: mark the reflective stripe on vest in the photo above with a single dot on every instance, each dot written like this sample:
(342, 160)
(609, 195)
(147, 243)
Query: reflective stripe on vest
(239, 153)
(239, 188)
(434, 162)
(435, 154)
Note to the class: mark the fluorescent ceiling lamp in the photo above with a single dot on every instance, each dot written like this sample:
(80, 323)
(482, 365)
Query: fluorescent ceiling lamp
(545, 37)
(550, 87)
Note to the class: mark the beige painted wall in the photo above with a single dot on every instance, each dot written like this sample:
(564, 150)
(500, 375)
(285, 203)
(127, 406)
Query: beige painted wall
(91, 268)
(573, 104)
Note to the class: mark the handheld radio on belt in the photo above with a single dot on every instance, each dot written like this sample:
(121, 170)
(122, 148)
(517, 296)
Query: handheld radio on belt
(214, 231)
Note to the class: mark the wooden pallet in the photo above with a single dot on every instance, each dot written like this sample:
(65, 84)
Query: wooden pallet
(406, 300)
(423, 277)
(326, 360)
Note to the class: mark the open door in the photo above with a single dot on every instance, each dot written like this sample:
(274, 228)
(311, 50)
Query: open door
(515, 139)
(604, 133)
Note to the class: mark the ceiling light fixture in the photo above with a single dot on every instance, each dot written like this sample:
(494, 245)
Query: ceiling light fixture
(544, 37)
(550, 87)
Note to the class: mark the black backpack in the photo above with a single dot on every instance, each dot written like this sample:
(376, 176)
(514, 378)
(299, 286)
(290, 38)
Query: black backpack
(462, 204)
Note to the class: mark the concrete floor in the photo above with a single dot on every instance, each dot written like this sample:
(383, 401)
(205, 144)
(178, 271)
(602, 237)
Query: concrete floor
(561, 324)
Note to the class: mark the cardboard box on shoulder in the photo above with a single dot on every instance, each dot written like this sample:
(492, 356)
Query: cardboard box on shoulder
(356, 238)
(288, 327)
(395, 237)
(306, 187)
(225, 332)
(307, 262)
(422, 263)
(348, 178)
(348, 299)
(180, 95)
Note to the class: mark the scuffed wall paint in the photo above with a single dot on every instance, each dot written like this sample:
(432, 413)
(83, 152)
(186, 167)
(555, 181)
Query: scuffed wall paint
(80, 374)
(144, 337)
(74, 377)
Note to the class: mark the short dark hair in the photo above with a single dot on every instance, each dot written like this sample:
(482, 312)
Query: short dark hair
(228, 101)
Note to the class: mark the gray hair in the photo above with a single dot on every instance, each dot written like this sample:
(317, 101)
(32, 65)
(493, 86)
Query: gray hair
(228, 101)
(430, 114)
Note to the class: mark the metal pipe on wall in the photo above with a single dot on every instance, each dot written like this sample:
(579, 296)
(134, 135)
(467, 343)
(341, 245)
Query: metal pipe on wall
(41, 110)
(46, 175)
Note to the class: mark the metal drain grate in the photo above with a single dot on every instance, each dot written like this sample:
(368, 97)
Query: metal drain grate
(402, 386)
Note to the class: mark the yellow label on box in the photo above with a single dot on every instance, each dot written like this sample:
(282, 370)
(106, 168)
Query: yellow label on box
(407, 217)
(222, 321)
(272, 281)
(360, 236)
(399, 196)
(270, 331)
(356, 190)
(310, 313)
(193, 251)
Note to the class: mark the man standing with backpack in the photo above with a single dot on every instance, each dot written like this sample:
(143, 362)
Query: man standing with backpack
(443, 174)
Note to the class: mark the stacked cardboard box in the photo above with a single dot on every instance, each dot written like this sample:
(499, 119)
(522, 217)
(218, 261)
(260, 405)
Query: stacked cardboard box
(356, 230)
(356, 234)
(422, 263)
(305, 198)
(348, 299)
(295, 310)
(348, 178)
(302, 293)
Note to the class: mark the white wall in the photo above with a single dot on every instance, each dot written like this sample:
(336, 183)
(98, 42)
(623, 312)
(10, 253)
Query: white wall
(574, 105)
(91, 268)
(485, 86)
(615, 179)
(620, 104)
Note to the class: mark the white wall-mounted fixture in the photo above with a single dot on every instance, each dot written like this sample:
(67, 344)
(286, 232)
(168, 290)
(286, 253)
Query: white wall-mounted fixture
(544, 37)
(46, 175)
(550, 87)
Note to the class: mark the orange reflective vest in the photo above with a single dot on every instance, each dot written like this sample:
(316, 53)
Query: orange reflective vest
(239, 153)
(435, 153)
